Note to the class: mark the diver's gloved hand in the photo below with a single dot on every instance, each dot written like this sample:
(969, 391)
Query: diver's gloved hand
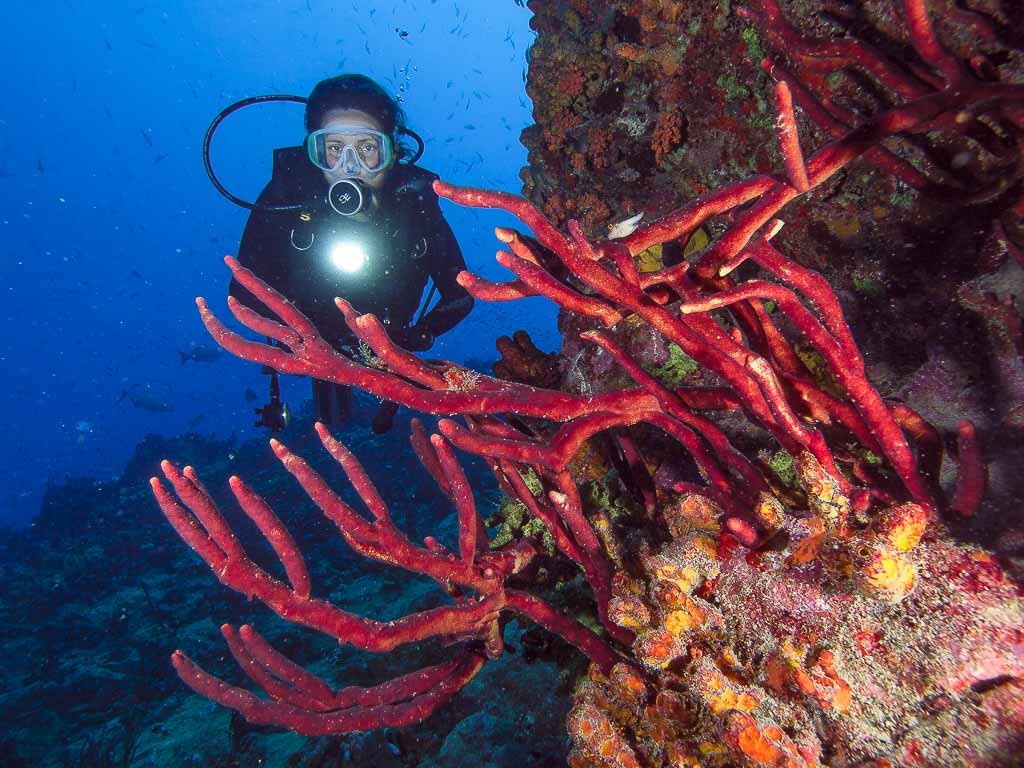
(416, 339)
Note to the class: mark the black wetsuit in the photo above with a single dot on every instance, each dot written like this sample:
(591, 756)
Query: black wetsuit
(406, 238)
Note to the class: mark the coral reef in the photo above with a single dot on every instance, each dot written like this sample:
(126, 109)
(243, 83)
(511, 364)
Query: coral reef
(679, 101)
(477, 578)
(782, 568)
(92, 685)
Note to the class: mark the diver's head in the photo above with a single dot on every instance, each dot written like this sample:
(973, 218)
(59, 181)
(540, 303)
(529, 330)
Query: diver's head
(352, 124)
(350, 144)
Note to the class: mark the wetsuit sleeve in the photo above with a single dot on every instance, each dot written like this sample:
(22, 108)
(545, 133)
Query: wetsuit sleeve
(259, 251)
(445, 263)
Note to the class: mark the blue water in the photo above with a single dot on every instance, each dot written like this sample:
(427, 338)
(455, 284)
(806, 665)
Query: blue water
(110, 228)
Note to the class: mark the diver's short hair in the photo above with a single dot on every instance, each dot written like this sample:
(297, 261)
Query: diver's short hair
(353, 92)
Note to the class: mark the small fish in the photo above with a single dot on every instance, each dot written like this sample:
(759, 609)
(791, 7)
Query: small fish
(625, 228)
(201, 353)
(250, 394)
(147, 136)
(146, 402)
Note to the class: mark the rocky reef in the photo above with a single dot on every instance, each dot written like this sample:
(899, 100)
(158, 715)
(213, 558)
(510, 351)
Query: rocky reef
(890, 646)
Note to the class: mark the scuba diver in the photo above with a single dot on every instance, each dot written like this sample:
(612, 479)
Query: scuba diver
(349, 214)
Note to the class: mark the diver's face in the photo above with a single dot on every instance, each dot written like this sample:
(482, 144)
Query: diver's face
(359, 118)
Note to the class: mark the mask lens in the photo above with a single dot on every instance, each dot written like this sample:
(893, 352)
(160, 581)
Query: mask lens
(349, 150)
(368, 150)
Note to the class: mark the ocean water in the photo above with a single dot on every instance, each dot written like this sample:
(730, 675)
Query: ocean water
(111, 228)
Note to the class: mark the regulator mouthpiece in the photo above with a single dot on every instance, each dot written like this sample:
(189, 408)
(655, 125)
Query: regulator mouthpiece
(347, 197)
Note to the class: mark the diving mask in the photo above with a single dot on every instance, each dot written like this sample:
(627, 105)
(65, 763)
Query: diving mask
(349, 150)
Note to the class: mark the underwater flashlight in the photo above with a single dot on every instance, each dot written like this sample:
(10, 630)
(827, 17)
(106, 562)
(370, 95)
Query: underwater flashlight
(348, 256)
(275, 415)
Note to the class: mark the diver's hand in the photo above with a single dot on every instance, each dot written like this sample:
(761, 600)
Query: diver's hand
(416, 339)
